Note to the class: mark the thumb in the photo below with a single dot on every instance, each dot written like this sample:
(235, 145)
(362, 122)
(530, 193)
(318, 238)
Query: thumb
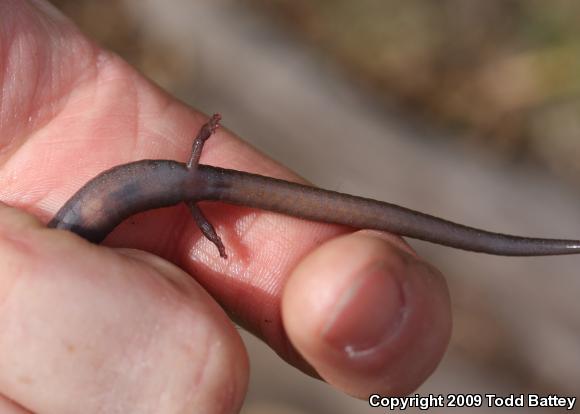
(368, 315)
(89, 329)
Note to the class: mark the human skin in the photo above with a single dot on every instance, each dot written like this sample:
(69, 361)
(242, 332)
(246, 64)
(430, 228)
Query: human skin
(87, 328)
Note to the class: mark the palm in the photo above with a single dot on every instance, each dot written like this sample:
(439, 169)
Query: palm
(72, 112)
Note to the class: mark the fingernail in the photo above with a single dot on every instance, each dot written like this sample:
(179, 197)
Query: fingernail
(368, 313)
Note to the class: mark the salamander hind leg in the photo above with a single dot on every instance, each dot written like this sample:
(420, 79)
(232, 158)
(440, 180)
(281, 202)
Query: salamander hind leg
(204, 133)
(207, 229)
(204, 225)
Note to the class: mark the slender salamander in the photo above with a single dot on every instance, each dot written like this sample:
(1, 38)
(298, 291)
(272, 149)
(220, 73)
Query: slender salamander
(112, 196)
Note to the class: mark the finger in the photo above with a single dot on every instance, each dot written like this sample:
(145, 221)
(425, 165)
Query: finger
(369, 316)
(89, 329)
(113, 104)
(262, 247)
(10, 407)
(43, 57)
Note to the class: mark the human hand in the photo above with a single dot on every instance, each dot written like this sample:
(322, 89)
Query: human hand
(85, 328)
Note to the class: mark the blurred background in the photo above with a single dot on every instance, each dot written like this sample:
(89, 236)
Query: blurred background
(469, 110)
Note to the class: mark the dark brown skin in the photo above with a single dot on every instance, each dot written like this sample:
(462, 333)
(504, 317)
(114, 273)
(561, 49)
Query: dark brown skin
(116, 194)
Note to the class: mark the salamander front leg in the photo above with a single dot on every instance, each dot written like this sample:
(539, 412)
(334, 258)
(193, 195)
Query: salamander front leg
(204, 225)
